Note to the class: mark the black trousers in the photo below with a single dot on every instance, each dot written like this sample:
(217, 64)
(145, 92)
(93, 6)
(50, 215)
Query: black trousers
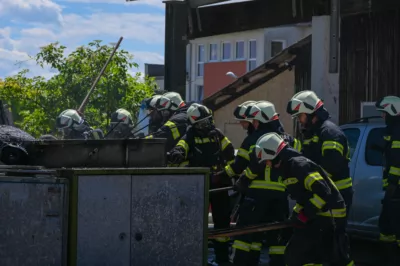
(221, 211)
(258, 207)
(389, 225)
(311, 244)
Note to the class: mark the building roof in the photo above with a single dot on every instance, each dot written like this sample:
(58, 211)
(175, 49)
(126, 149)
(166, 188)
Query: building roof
(154, 70)
(253, 79)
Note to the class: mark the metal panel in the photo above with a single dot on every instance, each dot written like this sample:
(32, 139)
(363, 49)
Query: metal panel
(32, 221)
(369, 60)
(168, 220)
(103, 220)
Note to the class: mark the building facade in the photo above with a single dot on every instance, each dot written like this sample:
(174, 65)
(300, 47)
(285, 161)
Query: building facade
(209, 59)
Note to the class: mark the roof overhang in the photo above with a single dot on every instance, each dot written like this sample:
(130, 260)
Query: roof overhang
(255, 78)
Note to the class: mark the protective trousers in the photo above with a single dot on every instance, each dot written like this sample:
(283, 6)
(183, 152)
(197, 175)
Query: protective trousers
(258, 208)
(221, 211)
(389, 225)
(311, 244)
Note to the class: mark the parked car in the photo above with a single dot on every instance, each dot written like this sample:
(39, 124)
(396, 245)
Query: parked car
(366, 168)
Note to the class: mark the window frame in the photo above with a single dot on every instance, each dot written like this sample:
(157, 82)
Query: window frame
(284, 46)
(244, 50)
(198, 63)
(249, 58)
(358, 139)
(210, 51)
(222, 51)
(367, 143)
(198, 86)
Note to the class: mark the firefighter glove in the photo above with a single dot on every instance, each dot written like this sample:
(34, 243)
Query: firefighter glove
(175, 157)
(242, 184)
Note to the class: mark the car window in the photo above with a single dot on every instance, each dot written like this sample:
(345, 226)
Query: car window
(352, 134)
(373, 156)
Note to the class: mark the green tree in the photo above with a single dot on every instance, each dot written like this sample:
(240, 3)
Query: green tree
(36, 102)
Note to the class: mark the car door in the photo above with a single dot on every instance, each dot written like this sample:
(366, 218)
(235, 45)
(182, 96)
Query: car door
(368, 182)
(354, 134)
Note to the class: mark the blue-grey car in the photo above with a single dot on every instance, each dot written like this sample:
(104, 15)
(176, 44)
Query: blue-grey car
(366, 168)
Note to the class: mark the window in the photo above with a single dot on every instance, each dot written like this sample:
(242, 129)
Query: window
(200, 60)
(277, 47)
(352, 134)
(375, 138)
(226, 51)
(200, 93)
(239, 54)
(252, 54)
(213, 52)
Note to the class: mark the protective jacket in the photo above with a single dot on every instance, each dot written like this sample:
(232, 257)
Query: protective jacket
(326, 145)
(173, 129)
(314, 192)
(391, 174)
(214, 150)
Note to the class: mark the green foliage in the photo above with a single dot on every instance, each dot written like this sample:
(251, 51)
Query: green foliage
(36, 102)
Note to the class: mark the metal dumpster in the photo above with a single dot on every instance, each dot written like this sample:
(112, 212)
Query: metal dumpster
(145, 216)
(97, 153)
(33, 220)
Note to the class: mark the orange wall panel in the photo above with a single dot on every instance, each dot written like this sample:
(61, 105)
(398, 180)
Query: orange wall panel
(215, 77)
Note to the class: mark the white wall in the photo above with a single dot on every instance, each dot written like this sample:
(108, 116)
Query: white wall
(289, 34)
(194, 80)
(325, 84)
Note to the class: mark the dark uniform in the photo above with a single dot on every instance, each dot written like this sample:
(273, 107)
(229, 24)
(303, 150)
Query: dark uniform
(326, 145)
(214, 151)
(319, 212)
(173, 129)
(389, 220)
(265, 201)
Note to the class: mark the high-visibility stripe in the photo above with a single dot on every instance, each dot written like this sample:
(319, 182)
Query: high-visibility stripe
(229, 171)
(259, 184)
(387, 138)
(387, 238)
(237, 244)
(396, 144)
(224, 143)
(344, 183)
(317, 201)
(184, 145)
(277, 250)
(308, 141)
(256, 246)
(394, 171)
(297, 145)
(332, 145)
(311, 178)
(149, 137)
(244, 154)
(336, 213)
(174, 130)
(249, 174)
(223, 239)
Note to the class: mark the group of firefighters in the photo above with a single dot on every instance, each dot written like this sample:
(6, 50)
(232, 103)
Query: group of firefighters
(269, 166)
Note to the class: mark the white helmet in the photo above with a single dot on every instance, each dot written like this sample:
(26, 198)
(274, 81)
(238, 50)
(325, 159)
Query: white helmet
(69, 119)
(262, 111)
(240, 111)
(390, 105)
(303, 102)
(197, 113)
(175, 100)
(121, 116)
(269, 146)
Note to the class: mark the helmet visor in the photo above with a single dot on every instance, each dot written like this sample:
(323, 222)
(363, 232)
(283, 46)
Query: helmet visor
(64, 122)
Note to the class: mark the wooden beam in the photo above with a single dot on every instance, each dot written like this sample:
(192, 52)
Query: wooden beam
(242, 16)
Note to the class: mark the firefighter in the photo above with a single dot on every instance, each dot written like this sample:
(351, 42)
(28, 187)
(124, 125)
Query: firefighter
(242, 158)
(173, 109)
(73, 126)
(319, 209)
(121, 124)
(155, 118)
(265, 197)
(204, 145)
(389, 220)
(324, 143)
